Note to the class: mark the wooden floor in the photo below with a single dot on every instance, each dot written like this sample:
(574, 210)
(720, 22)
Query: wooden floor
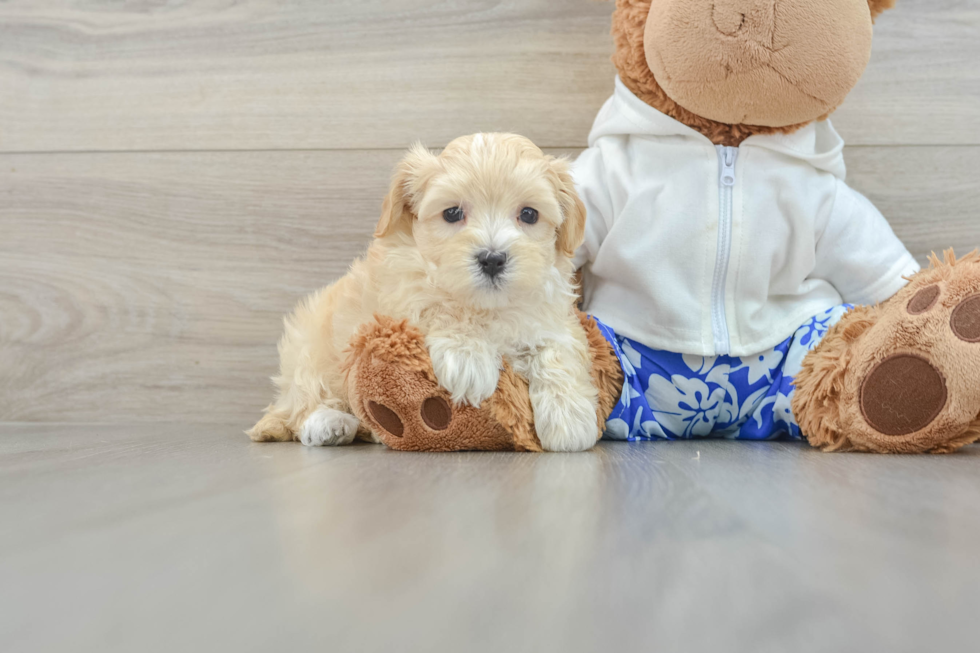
(188, 537)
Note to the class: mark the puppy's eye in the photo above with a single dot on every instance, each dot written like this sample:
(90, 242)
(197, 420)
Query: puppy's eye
(452, 215)
(529, 215)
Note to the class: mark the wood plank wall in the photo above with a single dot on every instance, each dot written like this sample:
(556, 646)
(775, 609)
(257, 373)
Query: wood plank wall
(175, 175)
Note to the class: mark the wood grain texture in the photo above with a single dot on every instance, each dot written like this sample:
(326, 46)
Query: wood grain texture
(931, 205)
(257, 74)
(152, 286)
(188, 537)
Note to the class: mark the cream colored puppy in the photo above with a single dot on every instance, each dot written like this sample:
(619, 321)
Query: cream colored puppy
(474, 246)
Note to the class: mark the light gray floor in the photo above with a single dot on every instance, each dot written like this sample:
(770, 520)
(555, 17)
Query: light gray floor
(182, 537)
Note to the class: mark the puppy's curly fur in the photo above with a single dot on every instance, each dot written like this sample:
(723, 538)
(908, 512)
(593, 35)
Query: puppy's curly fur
(424, 266)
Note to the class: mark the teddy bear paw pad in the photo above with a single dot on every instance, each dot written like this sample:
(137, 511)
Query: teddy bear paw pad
(965, 321)
(902, 394)
(436, 413)
(386, 419)
(924, 300)
(917, 373)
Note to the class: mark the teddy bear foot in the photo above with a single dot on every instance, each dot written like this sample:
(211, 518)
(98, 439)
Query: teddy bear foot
(393, 390)
(903, 377)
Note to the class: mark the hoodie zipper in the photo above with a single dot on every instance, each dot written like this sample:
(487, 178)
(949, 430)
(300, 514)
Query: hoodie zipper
(727, 156)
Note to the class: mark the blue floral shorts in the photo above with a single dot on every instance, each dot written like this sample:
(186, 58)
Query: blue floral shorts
(671, 396)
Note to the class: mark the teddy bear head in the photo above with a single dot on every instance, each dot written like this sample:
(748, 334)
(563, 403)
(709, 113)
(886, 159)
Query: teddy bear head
(733, 68)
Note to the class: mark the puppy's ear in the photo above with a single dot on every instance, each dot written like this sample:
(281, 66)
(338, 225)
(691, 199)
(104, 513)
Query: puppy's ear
(407, 184)
(571, 233)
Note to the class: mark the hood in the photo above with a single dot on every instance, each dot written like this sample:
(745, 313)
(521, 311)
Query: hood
(624, 114)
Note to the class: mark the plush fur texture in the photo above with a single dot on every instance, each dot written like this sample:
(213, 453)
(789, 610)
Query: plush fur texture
(832, 401)
(389, 373)
(758, 62)
(769, 46)
(607, 372)
(424, 268)
(389, 366)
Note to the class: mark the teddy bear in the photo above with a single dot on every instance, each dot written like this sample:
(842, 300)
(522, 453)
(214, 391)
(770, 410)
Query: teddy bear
(743, 288)
(394, 392)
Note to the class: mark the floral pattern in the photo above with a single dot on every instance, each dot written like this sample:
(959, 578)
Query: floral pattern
(671, 396)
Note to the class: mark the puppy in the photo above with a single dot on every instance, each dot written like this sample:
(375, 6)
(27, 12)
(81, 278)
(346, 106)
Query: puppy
(474, 246)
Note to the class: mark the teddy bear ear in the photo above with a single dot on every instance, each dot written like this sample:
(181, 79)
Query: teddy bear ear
(878, 6)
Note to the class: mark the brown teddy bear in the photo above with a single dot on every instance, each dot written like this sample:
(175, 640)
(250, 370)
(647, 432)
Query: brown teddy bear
(744, 289)
(393, 390)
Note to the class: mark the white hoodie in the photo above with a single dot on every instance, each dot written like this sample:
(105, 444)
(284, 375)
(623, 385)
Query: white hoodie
(706, 250)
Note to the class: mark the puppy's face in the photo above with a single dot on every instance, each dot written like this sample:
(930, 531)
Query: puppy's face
(492, 216)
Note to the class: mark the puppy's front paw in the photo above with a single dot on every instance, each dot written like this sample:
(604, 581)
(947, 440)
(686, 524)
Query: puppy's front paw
(469, 373)
(328, 427)
(564, 422)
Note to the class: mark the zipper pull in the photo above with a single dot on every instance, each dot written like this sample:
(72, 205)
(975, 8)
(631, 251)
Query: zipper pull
(728, 157)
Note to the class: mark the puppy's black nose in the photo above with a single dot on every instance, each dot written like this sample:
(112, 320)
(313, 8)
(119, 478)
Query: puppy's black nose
(492, 263)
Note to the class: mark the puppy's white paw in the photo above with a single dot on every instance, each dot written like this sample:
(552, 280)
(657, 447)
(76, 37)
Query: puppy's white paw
(564, 422)
(469, 373)
(328, 427)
